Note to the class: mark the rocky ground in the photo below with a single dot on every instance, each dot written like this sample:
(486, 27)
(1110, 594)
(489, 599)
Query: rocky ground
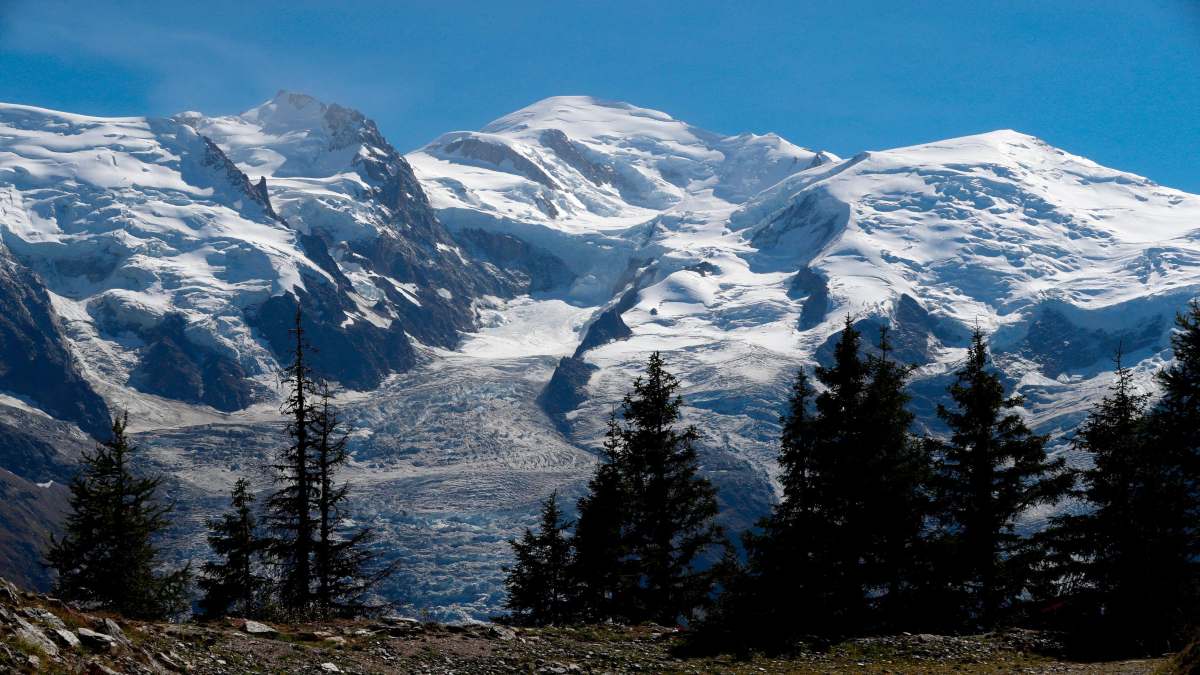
(41, 634)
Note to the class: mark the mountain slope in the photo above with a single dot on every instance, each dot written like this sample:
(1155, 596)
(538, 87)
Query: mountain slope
(486, 299)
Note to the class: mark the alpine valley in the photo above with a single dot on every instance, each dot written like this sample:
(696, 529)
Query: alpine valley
(484, 301)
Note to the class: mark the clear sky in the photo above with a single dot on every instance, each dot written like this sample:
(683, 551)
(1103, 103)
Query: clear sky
(1118, 82)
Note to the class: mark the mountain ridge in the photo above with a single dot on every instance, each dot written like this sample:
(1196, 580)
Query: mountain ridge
(485, 298)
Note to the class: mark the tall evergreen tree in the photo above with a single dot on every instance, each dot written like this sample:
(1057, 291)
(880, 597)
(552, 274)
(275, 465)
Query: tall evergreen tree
(233, 582)
(290, 507)
(600, 580)
(837, 553)
(344, 564)
(540, 590)
(108, 556)
(664, 508)
(671, 505)
(1167, 502)
(991, 471)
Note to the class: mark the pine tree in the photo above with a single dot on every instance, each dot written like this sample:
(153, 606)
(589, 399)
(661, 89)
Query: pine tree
(540, 589)
(108, 557)
(837, 554)
(290, 507)
(1168, 501)
(672, 506)
(344, 564)
(896, 469)
(233, 583)
(601, 583)
(650, 515)
(991, 471)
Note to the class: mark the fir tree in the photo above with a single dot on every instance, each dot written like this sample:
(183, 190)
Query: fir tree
(344, 564)
(837, 554)
(671, 506)
(540, 590)
(600, 581)
(290, 507)
(1167, 499)
(233, 583)
(108, 557)
(896, 472)
(992, 470)
(650, 515)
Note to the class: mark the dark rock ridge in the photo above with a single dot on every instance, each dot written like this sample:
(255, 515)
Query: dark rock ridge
(1059, 346)
(533, 269)
(36, 362)
(813, 287)
(567, 388)
(609, 326)
(499, 156)
(174, 367)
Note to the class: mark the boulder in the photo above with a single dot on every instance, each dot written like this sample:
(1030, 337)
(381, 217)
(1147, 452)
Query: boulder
(66, 637)
(33, 635)
(97, 641)
(502, 632)
(256, 628)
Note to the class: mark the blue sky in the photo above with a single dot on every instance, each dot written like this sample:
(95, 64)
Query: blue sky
(1115, 81)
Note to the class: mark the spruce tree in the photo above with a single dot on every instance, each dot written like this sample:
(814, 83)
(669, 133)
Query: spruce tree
(837, 555)
(1167, 503)
(990, 472)
(650, 515)
(671, 506)
(344, 564)
(108, 556)
(290, 507)
(540, 590)
(896, 469)
(233, 583)
(600, 581)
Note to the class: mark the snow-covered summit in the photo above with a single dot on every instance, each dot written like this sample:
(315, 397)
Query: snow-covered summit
(492, 294)
(582, 163)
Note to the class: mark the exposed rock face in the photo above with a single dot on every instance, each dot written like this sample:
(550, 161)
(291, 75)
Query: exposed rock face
(533, 268)
(173, 367)
(567, 388)
(35, 359)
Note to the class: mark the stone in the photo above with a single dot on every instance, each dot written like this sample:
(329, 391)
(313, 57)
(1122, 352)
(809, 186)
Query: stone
(66, 637)
(44, 617)
(503, 633)
(330, 667)
(97, 668)
(34, 636)
(98, 641)
(111, 629)
(335, 640)
(257, 628)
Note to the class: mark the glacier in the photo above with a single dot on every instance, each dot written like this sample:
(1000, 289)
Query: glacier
(485, 300)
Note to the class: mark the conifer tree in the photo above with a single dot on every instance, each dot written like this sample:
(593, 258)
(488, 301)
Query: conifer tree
(650, 509)
(836, 555)
(233, 583)
(540, 590)
(290, 507)
(672, 507)
(600, 581)
(108, 556)
(1165, 505)
(344, 564)
(991, 471)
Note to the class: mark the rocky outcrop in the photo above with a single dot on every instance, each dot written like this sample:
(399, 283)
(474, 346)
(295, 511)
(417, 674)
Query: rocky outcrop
(566, 389)
(36, 362)
(171, 365)
(534, 269)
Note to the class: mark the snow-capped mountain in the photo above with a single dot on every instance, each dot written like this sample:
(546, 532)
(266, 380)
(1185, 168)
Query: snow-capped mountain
(486, 299)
